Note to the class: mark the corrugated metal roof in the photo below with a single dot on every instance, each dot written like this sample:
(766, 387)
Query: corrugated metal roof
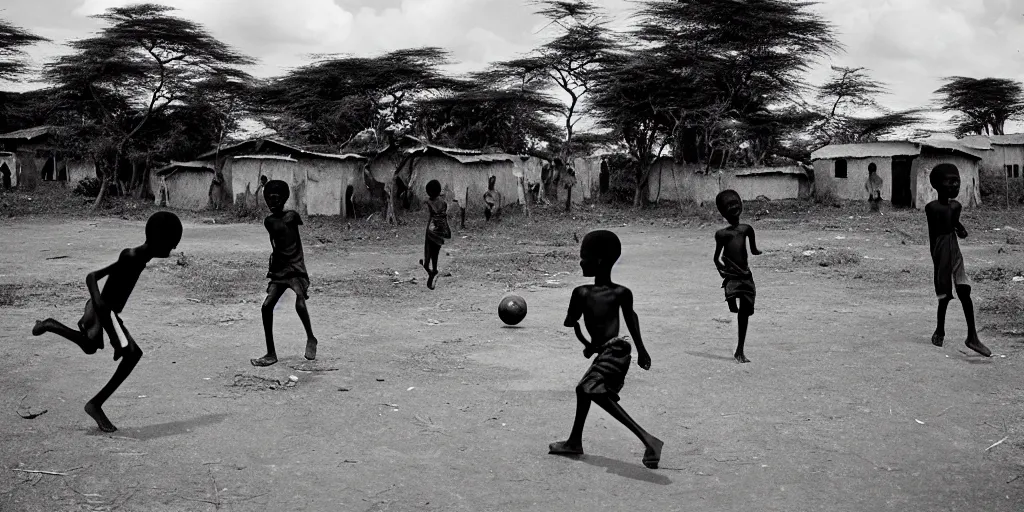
(343, 156)
(265, 157)
(1012, 139)
(888, 149)
(174, 167)
(757, 171)
(483, 158)
(27, 133)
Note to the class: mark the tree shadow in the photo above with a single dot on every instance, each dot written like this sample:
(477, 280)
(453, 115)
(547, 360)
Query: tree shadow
(710, 356)
(167, 429)
(625, 469)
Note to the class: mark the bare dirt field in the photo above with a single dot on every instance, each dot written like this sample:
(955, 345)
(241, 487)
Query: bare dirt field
(423, 400)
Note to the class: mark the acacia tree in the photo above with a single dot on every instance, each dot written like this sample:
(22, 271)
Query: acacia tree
(847, 92)
(327, 103)
(985, 104)
(145, 61)
(743, 61)
(568, 62)
(13, 40)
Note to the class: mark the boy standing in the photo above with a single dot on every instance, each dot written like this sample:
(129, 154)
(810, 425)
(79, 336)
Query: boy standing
(492, 200)
(599, 305)
(944, 228)
(874, 187)
(731, 246)
(163, 232)
(437, 230)
(287, 269)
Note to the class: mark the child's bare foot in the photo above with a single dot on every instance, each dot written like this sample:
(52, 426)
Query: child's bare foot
(311, 348)
(430, 280)
(564, 448)
(975, 344)
(653, 454)
(937, 338)
(101, 419)
(40, 327)
(266, 360)
(740, 358)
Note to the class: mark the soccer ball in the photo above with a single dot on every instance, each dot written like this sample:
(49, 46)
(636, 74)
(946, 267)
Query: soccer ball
(512, 309)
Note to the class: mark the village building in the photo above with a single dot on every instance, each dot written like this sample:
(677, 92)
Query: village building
(319, 183)
(35, 158)
(183, 185)
(1003, 166)
(841, 170)
(674, 181)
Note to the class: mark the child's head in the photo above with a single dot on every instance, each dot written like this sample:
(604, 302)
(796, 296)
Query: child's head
(729, 205)
(872, 168)
(163, 232)
(433, 188)
(276, 193)
(945, 179)
(491, 181)
(599, 251)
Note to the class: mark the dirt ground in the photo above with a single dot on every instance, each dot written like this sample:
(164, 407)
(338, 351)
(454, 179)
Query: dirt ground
(422, 400)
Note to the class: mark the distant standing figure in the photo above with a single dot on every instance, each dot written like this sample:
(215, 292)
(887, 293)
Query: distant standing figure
(287, 269)
(568, 183)
(603, 178)
(492, 200)
(874, 187)
(944, 228)
(731, 246)
(102, 310)
(437, 230)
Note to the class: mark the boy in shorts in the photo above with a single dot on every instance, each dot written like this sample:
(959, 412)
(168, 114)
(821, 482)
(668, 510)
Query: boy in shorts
(599, 305)
(731, 260)
(287, 269)
(163, 232)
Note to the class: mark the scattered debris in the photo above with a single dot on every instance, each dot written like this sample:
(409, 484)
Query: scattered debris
(723, 320)
(997, 443)
(344, 389)
(56, 257)
(380, 379)
(41, 472)
(919, 421)
(411, 388)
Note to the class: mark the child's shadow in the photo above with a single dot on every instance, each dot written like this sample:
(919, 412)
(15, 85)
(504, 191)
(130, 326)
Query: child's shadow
(710, 356)
(168, 429)
(625, 469)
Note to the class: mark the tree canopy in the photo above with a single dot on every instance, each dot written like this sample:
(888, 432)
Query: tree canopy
(13, 41)
(983, 104)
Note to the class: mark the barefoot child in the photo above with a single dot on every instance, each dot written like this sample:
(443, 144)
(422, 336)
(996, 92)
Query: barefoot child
(943, 229)
(492, 200)
(599, 305)
(163, 232)
(437, 230)
(731, 245)
(287, 269)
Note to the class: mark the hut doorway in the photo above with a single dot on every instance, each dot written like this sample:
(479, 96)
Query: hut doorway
(350, 209)
(902, 197)
(48, 167)
(5, 175)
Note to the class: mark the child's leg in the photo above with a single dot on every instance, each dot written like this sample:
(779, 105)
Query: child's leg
(87, 343)
(462, 215)
(130, 356)
(964, 293)
(273, 295)
(300, 308)
(742, 319)
(574, 445)
(434, 251)
(652, 456)
(940, 328)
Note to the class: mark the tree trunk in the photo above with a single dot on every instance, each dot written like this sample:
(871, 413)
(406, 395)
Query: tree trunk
(390, 211)
(105, 182)
(134, 185)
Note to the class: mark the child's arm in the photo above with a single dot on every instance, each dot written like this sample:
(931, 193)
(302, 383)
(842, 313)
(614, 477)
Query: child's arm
(753, 241)
(961, 231)
(572, 319)
(92, 282)
(718, 252)
(633, 325)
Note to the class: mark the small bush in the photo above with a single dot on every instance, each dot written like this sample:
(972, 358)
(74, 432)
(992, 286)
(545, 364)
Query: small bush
(830, 257)
(88, 187)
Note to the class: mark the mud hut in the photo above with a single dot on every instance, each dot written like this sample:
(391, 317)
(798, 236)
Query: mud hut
(183, 185)
(321, 184)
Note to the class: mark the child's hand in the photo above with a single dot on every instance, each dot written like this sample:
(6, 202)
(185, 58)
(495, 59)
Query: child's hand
(587, 353)
(644, 360)
(961, 232)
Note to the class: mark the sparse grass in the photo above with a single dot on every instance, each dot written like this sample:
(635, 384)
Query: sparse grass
(827, 257)
(9, 294)
(223, 278)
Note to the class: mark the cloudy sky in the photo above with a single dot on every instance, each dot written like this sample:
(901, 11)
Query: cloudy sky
(909, 44)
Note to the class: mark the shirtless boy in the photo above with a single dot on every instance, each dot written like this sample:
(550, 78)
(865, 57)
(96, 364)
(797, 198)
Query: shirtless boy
(287, 269)
(599, 305)
(731, 260)
(944, 228)
(163, 232)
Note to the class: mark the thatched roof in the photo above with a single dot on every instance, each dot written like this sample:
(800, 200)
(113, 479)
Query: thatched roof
(263, 146)
(760, 171)
(1013, 139)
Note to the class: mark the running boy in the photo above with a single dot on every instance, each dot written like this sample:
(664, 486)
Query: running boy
(599, 305)
(943, 229)
(437, 230)
(163, 232)
(731, 246)
(287, 269)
